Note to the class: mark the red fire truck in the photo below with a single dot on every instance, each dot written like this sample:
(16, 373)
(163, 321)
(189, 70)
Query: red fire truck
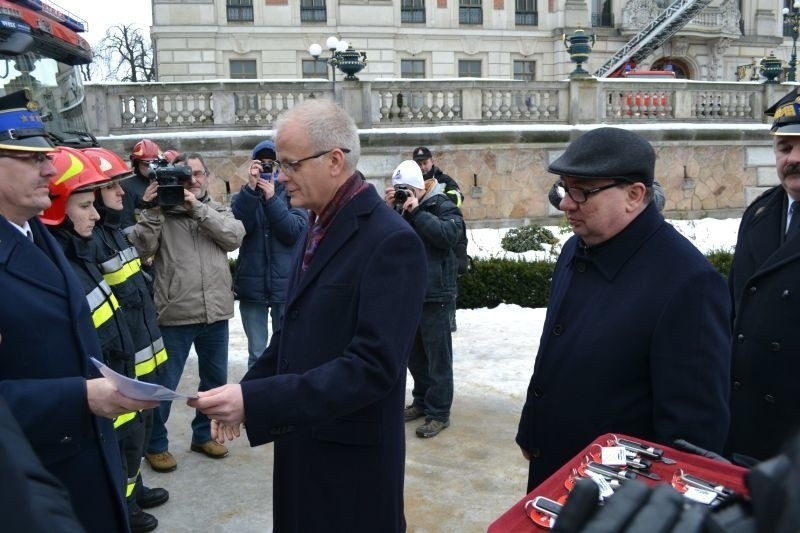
(40, 50)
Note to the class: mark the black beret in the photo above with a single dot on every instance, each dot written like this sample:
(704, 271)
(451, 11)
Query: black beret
(608, 153)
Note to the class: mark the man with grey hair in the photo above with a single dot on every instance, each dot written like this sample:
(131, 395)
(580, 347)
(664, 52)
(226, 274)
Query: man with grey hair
(329, 389)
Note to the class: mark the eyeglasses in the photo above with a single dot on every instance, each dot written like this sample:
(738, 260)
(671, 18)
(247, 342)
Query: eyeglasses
(38, 158)
(294, 166)
(199, 173)
(578, 195)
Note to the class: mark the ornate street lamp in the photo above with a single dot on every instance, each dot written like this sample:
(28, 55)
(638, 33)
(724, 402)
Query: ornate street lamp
(791, 18)
(343, 57)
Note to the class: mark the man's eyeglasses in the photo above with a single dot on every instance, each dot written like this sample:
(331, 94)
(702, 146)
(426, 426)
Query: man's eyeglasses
(579, 195)
(37, 158)
(294, 166)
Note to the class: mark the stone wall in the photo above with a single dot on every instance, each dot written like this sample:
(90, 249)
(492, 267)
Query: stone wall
(503, 174)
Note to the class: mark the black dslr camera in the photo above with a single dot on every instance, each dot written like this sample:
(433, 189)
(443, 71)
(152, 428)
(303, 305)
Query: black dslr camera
(171, 179)
(401, 194)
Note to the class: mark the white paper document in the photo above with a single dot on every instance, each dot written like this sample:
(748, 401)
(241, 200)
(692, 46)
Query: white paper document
(138, 390)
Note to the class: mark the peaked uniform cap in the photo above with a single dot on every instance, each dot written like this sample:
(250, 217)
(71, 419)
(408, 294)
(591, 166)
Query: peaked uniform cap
(21, 126)
(786, 114)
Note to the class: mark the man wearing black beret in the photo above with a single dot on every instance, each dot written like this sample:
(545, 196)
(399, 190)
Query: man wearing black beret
(636, 337)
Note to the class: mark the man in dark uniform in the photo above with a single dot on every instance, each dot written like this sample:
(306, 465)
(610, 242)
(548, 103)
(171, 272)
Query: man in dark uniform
(765, 287)
(48, 334)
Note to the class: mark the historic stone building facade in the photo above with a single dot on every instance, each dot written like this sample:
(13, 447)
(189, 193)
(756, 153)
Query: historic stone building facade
(503, 39)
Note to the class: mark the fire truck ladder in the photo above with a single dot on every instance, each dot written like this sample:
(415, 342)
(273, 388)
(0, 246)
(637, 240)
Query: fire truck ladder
(641, 45)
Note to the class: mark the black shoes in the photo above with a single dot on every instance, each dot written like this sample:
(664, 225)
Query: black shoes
(149, 498)
(142, 522)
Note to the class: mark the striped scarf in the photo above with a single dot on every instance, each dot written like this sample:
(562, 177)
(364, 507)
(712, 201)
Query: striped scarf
(319, 224)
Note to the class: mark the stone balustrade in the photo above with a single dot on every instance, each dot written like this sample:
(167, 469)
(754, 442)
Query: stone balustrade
(134, 108)
(495, 137)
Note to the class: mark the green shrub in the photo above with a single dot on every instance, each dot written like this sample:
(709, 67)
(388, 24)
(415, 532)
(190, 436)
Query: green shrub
(721, 259)
(492, 282)
(527, 238)
(495, 281)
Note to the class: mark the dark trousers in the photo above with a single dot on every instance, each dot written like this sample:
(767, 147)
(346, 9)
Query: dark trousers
(431, 361)
(131, 449)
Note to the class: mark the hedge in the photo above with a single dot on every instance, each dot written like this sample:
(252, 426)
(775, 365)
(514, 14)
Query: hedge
(491, 282)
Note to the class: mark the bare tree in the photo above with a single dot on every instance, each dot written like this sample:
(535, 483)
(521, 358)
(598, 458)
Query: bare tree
(125, 54)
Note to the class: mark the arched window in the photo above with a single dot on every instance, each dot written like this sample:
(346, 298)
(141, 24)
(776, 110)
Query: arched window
(677, 66)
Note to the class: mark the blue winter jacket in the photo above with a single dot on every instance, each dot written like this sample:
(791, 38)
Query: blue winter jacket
(272, 228)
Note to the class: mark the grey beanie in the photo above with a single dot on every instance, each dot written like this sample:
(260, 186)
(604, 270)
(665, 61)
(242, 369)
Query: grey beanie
(608, 153)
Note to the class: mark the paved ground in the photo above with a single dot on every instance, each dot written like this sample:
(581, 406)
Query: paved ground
(459, 481)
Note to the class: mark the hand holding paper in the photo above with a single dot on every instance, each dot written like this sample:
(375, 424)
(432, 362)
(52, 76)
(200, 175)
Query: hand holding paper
(137, 390)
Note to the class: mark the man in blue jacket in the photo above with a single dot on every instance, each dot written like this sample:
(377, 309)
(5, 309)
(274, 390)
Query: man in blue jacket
(329, 389)
(272, 227)
(636, 337)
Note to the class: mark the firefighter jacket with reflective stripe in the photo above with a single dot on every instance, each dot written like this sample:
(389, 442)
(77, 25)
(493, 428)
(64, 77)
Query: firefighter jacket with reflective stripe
(121, 268)
(107, 316)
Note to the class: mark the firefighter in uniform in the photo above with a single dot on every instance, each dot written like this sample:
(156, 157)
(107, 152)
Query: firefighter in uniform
(121, 267)
(144, 152)
(71, 218)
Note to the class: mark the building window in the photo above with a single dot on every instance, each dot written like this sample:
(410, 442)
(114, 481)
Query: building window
(240, 10)
(470, 12)
(313, 11)
(526, 13)
(601, 14)
(525, 70)
(469, 68)
(315, 68)
(412, 11)
(412, 68)
(243, 69)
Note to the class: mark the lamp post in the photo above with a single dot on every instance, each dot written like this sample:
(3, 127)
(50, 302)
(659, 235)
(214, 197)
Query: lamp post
(343, 57)
(792, 18)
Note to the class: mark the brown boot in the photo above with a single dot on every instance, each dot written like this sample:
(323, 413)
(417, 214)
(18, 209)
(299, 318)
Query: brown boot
(211, 449)
(161, 462)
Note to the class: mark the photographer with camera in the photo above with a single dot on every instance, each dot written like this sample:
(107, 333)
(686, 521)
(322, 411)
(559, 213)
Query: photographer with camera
(192, 285)
(272, 227)
(439, 224)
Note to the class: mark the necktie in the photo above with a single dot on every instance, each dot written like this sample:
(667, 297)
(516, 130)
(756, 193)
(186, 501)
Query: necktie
(793, 220)
(29, 235)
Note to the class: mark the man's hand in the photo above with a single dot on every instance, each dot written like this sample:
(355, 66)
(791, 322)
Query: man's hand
(225, 406)
(410, 204)
(189, 199)
(220, 431)
(150, 193)
(388, 196)
(104, 399)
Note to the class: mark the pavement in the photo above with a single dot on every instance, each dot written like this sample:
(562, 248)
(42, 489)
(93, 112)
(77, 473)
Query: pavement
(461, 480)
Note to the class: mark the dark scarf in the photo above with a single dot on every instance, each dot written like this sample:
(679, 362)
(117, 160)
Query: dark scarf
(319, 224)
